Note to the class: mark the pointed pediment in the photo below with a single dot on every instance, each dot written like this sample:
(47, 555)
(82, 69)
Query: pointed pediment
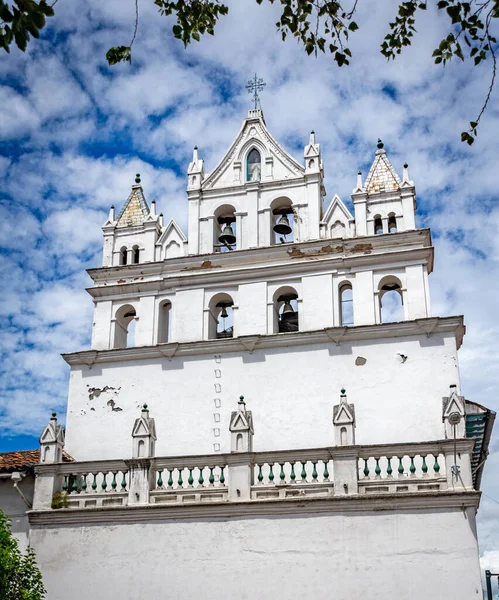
(276, 163)
(144, 427)
(172, 241)
(48, 435)
(135, 211)
(241, 421)
(343, 413)
(453, 403)
(337, 210)
(382, 176)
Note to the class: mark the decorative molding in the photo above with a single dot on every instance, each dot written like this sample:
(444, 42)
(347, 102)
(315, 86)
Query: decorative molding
(421, 501)
(269, 341)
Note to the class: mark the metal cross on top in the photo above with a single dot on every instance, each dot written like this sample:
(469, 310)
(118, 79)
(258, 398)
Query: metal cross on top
(254, 86)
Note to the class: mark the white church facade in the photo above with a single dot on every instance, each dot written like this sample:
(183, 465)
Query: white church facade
(268, 409)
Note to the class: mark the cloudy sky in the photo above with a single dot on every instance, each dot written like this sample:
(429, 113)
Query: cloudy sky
(73, 133)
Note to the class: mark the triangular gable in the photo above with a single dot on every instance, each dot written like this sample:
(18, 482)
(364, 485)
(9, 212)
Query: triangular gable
(135, 211)
(239, 422)
(144, 427)
(343, 414)
(253, 132)
(172, 231)
(382, 176)
(47, 435)
(454, 403)
(335, 209)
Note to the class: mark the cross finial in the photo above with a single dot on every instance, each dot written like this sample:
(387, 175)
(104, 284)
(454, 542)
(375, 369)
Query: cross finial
(254, 86)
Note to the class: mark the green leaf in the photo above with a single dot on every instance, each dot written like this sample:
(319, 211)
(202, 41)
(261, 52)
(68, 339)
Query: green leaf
(466, 137)
(118, 54)
(353, 26)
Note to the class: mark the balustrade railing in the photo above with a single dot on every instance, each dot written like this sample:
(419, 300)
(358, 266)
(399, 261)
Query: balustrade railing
(337, 470)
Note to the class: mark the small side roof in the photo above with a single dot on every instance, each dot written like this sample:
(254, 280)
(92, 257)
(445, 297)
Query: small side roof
(23, 460)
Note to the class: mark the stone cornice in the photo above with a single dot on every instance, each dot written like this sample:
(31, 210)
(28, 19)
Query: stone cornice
(331, 254)
(328, 335)
(421, 501)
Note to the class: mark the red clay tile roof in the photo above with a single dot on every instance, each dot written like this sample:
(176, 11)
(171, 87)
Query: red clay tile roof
(23, 460)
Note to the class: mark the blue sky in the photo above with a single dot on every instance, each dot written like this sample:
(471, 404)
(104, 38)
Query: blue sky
(73, 133)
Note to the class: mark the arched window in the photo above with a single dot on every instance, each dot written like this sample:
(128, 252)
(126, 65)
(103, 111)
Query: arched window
(164, 322)
(346, 304)
(135, 255)
(123, 255)
(392, 223)
(124, 327)
(253, 166)
(282, 221)
(286, 310)
(225, 233)
(378, 225)
(221, 324)
(391, 300)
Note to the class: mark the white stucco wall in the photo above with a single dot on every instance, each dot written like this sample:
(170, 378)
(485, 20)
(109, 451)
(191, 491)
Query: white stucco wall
(389, 556)
(13, 505)
(291, 392)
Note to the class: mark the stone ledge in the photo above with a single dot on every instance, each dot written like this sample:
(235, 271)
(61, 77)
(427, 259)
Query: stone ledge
(421, 501)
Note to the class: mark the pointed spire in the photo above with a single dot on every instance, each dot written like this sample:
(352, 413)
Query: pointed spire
(382, 176)
(135, 211)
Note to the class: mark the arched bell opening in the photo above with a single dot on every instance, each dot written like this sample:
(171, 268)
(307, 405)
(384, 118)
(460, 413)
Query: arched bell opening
(346, 304)
(225, 229)
(123, 255)
(391, 301)
(253, 165)
(282, 222)
(378, 225)
(221, 325)
(135, 255)
(286, 310)
(392, 223)
(124, 327)
(164, 322)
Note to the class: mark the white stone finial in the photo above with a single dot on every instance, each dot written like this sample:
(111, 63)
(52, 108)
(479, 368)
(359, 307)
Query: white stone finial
(312, 138)
(405, 174)
(52, 441)
(241, 428)
(359, 180)
(153, 208)
(161, 219)
(195, 156)
(144, 435)
(110, 218)
(344, 421)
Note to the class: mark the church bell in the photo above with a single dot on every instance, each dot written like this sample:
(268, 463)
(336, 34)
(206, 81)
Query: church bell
(227, 238)
(283, 227)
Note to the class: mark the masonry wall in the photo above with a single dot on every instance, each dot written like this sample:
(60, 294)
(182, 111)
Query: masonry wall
(13, 505)
(396, 385)
(389, 556)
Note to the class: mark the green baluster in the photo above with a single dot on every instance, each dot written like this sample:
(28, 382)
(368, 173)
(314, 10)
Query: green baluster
(377, 469)
(160, 479)
(123, 481)
(222, 476)
(401, 466)
(201, 478)
(292, 475)
(113, 483)
(271, 472)
(65, 484)
(104, 482)
(314, 471)
(303, 471)
(190, 480)
(170, 478)
(211, 478)
(424, 466)
(412, 468)
(389, 469)
(180, 480)
(84, 483)
(282, 476)
(94, 482)
(366, 468)
(74, 485)
(260, 474)
(436, 466)
(326, 472)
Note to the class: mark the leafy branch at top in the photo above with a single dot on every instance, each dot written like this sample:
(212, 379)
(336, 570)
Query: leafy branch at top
(318, 25)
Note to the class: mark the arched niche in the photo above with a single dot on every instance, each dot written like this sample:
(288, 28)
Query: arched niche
(282, 216)
(285, 302)
(391, 299)
(221, 317)
(164, 322)
(124, 327)
(224, 225)
(253, 165)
